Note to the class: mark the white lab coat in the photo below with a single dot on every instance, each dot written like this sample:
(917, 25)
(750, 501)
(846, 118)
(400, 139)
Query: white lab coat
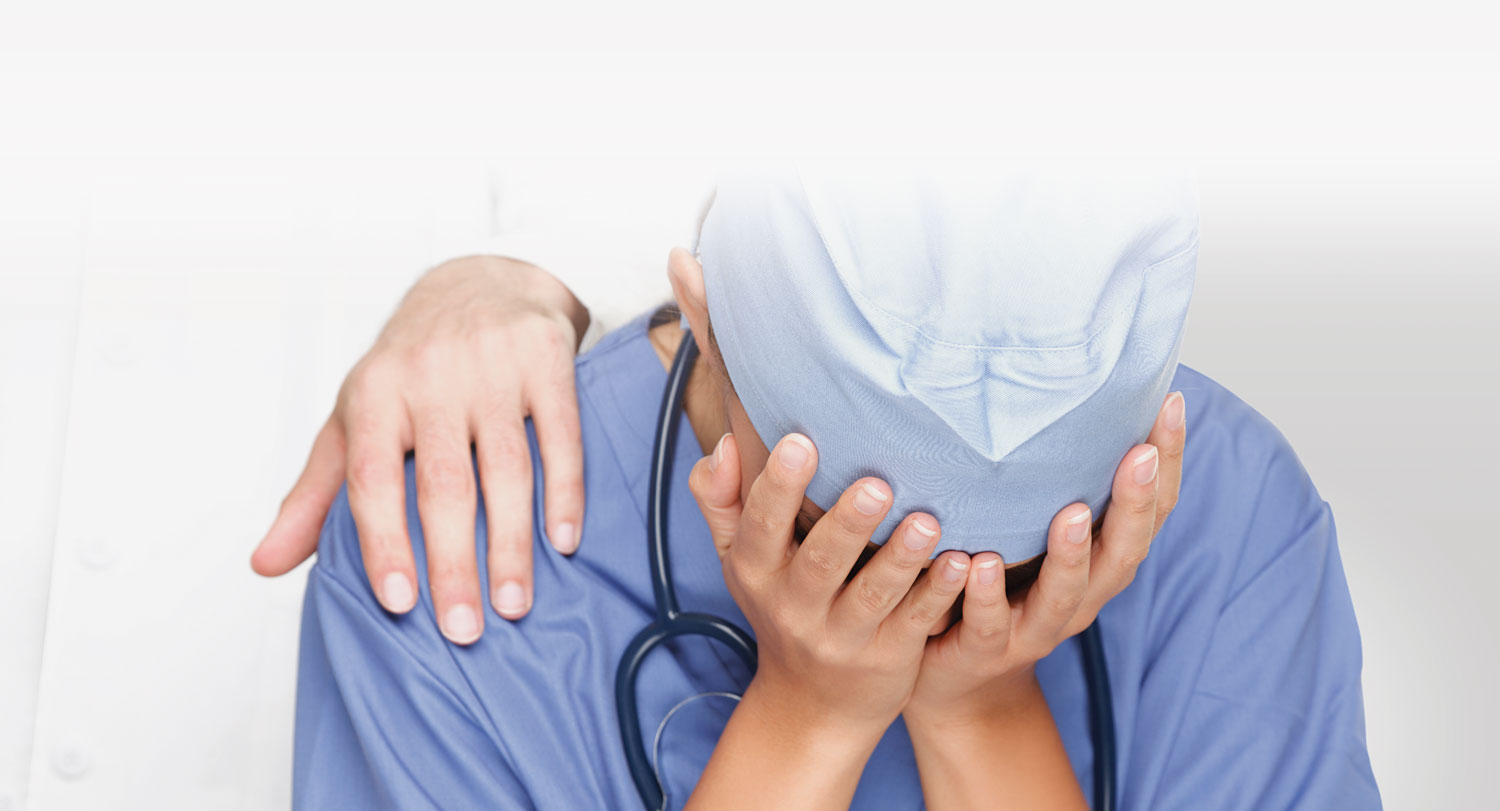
(170, 340)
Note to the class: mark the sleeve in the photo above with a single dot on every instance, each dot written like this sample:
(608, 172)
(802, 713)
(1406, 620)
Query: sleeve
(601, 225)
(381, 724)
(1276, 719)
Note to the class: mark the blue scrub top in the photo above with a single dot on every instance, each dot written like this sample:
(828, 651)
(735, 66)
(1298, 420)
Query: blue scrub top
(1234, 656)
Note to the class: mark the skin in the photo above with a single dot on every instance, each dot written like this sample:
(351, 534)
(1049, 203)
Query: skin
(477, 345)
(841, 657)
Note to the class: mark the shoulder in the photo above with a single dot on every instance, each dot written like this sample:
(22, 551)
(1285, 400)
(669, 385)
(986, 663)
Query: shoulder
(1231, 444)
(1246, 498)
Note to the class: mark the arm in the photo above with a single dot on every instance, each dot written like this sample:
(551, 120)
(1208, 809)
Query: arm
(1009, 757)
(769, 757)
(836, 662)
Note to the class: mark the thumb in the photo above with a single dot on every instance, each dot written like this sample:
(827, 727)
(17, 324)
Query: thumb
(293, 537)
(715, 482)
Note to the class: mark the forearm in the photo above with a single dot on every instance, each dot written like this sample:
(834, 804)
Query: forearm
(1010, 756)
(769, 757)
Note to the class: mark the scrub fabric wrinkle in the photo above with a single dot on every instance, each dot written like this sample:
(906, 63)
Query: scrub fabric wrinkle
(1234, 656)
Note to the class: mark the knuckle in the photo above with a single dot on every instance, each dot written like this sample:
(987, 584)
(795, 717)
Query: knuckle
(990, 632)
(925, 611)
(1125, 569)
(554, 340)
(506, 452)
(760, 522)
(367, 380)
(453, 573)
(493, 340)
(819, 561)
(1145, 505)
(445, 476)
(1165, 504)
(1064, 604)
(870, 597)
(430, 358)
(367, 473)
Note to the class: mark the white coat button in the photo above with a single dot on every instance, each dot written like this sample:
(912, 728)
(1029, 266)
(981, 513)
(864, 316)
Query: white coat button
(96, 553)
(70, 762)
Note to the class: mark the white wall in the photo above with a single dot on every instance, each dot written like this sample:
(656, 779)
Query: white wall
(204, 220)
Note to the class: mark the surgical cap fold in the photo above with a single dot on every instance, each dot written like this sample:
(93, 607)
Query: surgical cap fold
(988, 340)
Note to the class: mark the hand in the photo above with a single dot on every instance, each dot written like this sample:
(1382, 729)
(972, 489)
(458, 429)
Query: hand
(476, 345)
(984, 665)
(832, 656)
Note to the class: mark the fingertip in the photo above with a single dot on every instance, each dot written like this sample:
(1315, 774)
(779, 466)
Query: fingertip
(511, 599)
(986, 569)
(1174, 412)
(564, 537)
(728, 468)
(1073, 523)
(796, 451)
(954, 566)
(397, 592)
(1143, 465)
(461, 624)
(262, 562)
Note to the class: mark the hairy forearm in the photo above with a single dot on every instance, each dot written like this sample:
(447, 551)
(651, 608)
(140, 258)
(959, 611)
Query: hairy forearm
(1009, 756)
(772, 757)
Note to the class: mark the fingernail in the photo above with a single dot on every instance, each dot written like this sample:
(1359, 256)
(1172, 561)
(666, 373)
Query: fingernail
(989, 571)
(1078, 527)
(510, 599)
(795, 452)
(922, 535)
(869, 499)
(565, 538)
(396, 593)
(713, 462)
(955, 570)
(1176, 410)
(1145, 467)
(461, 624)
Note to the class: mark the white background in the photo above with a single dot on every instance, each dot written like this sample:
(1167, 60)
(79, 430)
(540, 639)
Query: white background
(205, 216)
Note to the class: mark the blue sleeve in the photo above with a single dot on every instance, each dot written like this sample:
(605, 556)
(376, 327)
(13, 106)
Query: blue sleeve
(1276, 719)
(384, 715)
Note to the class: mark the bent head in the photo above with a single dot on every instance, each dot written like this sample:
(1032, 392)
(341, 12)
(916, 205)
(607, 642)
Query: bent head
(989, 345)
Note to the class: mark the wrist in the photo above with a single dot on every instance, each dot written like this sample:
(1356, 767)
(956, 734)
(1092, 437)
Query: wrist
(805, 724)
(522, 282)
(1001, 703)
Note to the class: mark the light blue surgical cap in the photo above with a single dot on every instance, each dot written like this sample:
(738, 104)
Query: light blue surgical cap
(989, 342)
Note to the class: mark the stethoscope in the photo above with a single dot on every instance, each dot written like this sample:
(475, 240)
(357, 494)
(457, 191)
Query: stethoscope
(671, 621)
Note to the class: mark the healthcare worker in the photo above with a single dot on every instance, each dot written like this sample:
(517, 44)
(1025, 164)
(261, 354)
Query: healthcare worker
(1234, 654)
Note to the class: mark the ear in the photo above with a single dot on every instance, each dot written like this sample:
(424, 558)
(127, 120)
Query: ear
(687, 286)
